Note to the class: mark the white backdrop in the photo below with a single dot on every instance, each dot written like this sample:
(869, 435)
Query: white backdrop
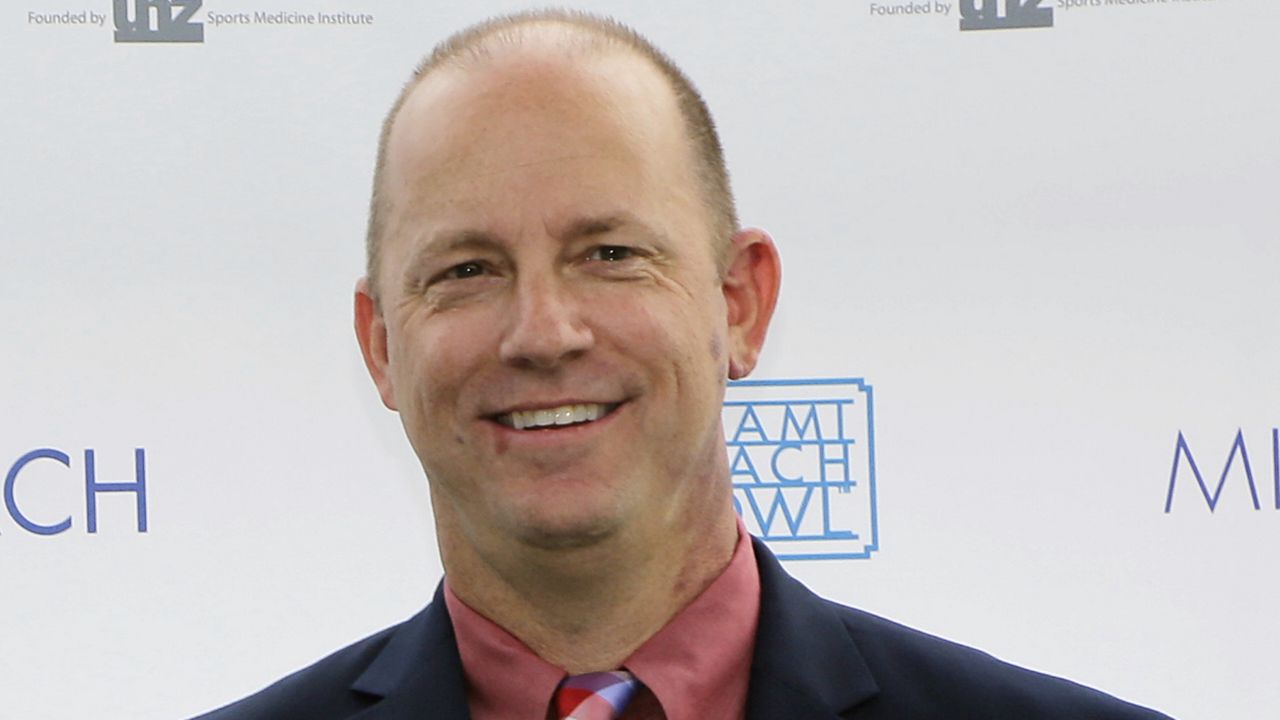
(1049, 250)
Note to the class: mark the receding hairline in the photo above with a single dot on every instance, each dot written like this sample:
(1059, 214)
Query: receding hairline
(576, 34)
(571, 31)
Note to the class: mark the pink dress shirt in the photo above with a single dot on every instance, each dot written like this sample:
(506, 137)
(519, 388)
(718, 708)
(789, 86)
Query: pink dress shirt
(695, 668)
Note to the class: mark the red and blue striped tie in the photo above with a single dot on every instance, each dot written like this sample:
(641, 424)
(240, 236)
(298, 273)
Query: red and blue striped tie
(595, 696)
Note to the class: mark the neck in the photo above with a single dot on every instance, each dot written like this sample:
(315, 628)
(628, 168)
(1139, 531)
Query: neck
(588, 608)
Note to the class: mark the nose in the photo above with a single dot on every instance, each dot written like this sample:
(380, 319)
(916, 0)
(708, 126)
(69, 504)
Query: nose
(546, 327)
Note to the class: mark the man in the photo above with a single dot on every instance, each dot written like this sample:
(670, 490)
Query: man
(557, 292)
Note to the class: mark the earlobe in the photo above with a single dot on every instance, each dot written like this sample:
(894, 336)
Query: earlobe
(371, 332)
(751, 285)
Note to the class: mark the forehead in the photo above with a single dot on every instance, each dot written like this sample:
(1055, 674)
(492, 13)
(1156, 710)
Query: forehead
(530, 107)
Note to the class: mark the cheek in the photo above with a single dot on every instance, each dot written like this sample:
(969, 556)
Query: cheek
(654, 333)
(431, 359)
(675, 339)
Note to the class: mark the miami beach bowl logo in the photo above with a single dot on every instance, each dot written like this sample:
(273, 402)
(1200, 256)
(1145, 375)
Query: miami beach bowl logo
(802, 461)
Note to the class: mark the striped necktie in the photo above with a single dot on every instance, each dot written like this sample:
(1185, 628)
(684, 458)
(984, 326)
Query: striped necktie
(594, 696)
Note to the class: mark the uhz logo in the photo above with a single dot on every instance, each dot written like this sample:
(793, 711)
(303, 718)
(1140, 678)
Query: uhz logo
(802, 461)
(158, 21)
(985, 14)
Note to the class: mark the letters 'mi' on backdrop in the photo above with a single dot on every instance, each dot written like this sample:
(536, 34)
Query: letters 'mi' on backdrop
(1184, 465)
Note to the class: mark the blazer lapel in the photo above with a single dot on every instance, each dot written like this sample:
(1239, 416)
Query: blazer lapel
(418, 674)
(805, 665)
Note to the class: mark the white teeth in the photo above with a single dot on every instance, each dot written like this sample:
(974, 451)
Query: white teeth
(546, 417)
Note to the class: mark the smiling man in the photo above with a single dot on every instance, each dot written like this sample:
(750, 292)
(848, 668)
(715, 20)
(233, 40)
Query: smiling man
(548, 315)
(557, 292)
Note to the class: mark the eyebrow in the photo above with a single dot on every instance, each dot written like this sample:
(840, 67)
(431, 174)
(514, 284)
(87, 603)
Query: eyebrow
(588, 226)
(453, 240)
(450, 241)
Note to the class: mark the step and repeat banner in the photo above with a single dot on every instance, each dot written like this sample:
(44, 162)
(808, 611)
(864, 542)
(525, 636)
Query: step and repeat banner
(1021, 391)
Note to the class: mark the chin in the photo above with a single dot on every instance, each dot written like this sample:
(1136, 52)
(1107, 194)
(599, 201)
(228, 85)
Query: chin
(565, 533)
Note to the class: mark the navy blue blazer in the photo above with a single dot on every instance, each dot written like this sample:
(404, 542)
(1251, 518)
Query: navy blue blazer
(814, 660)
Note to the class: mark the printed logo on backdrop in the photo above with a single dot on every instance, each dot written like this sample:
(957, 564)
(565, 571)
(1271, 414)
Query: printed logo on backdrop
(1006, 14)
(185, 21)
(1237, 474)
(802, 462)
(166, 21)
(975, 14)
(42, 492)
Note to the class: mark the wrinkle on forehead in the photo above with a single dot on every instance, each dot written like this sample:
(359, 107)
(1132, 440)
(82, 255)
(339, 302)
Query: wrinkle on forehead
(457, 173)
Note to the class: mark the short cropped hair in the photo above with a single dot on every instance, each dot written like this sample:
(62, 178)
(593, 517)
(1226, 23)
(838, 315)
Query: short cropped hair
(599, 32)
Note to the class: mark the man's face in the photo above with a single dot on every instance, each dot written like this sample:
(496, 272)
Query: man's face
(553, 329)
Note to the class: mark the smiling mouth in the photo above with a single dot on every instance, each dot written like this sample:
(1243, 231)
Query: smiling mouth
(556, 416)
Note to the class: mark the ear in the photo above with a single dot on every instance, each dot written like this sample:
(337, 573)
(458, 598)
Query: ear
(371, 331)
(750, 285)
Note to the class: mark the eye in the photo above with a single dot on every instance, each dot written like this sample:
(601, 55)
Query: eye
(611, 253)
(462, 271)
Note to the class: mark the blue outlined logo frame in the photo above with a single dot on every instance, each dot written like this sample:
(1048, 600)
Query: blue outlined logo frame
(802, 462)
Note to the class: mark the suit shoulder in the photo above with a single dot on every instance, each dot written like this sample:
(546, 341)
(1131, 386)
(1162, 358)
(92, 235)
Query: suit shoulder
(937, 676)
(320, 690)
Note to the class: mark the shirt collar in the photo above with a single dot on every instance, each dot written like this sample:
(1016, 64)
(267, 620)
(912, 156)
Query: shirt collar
(698, 665)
